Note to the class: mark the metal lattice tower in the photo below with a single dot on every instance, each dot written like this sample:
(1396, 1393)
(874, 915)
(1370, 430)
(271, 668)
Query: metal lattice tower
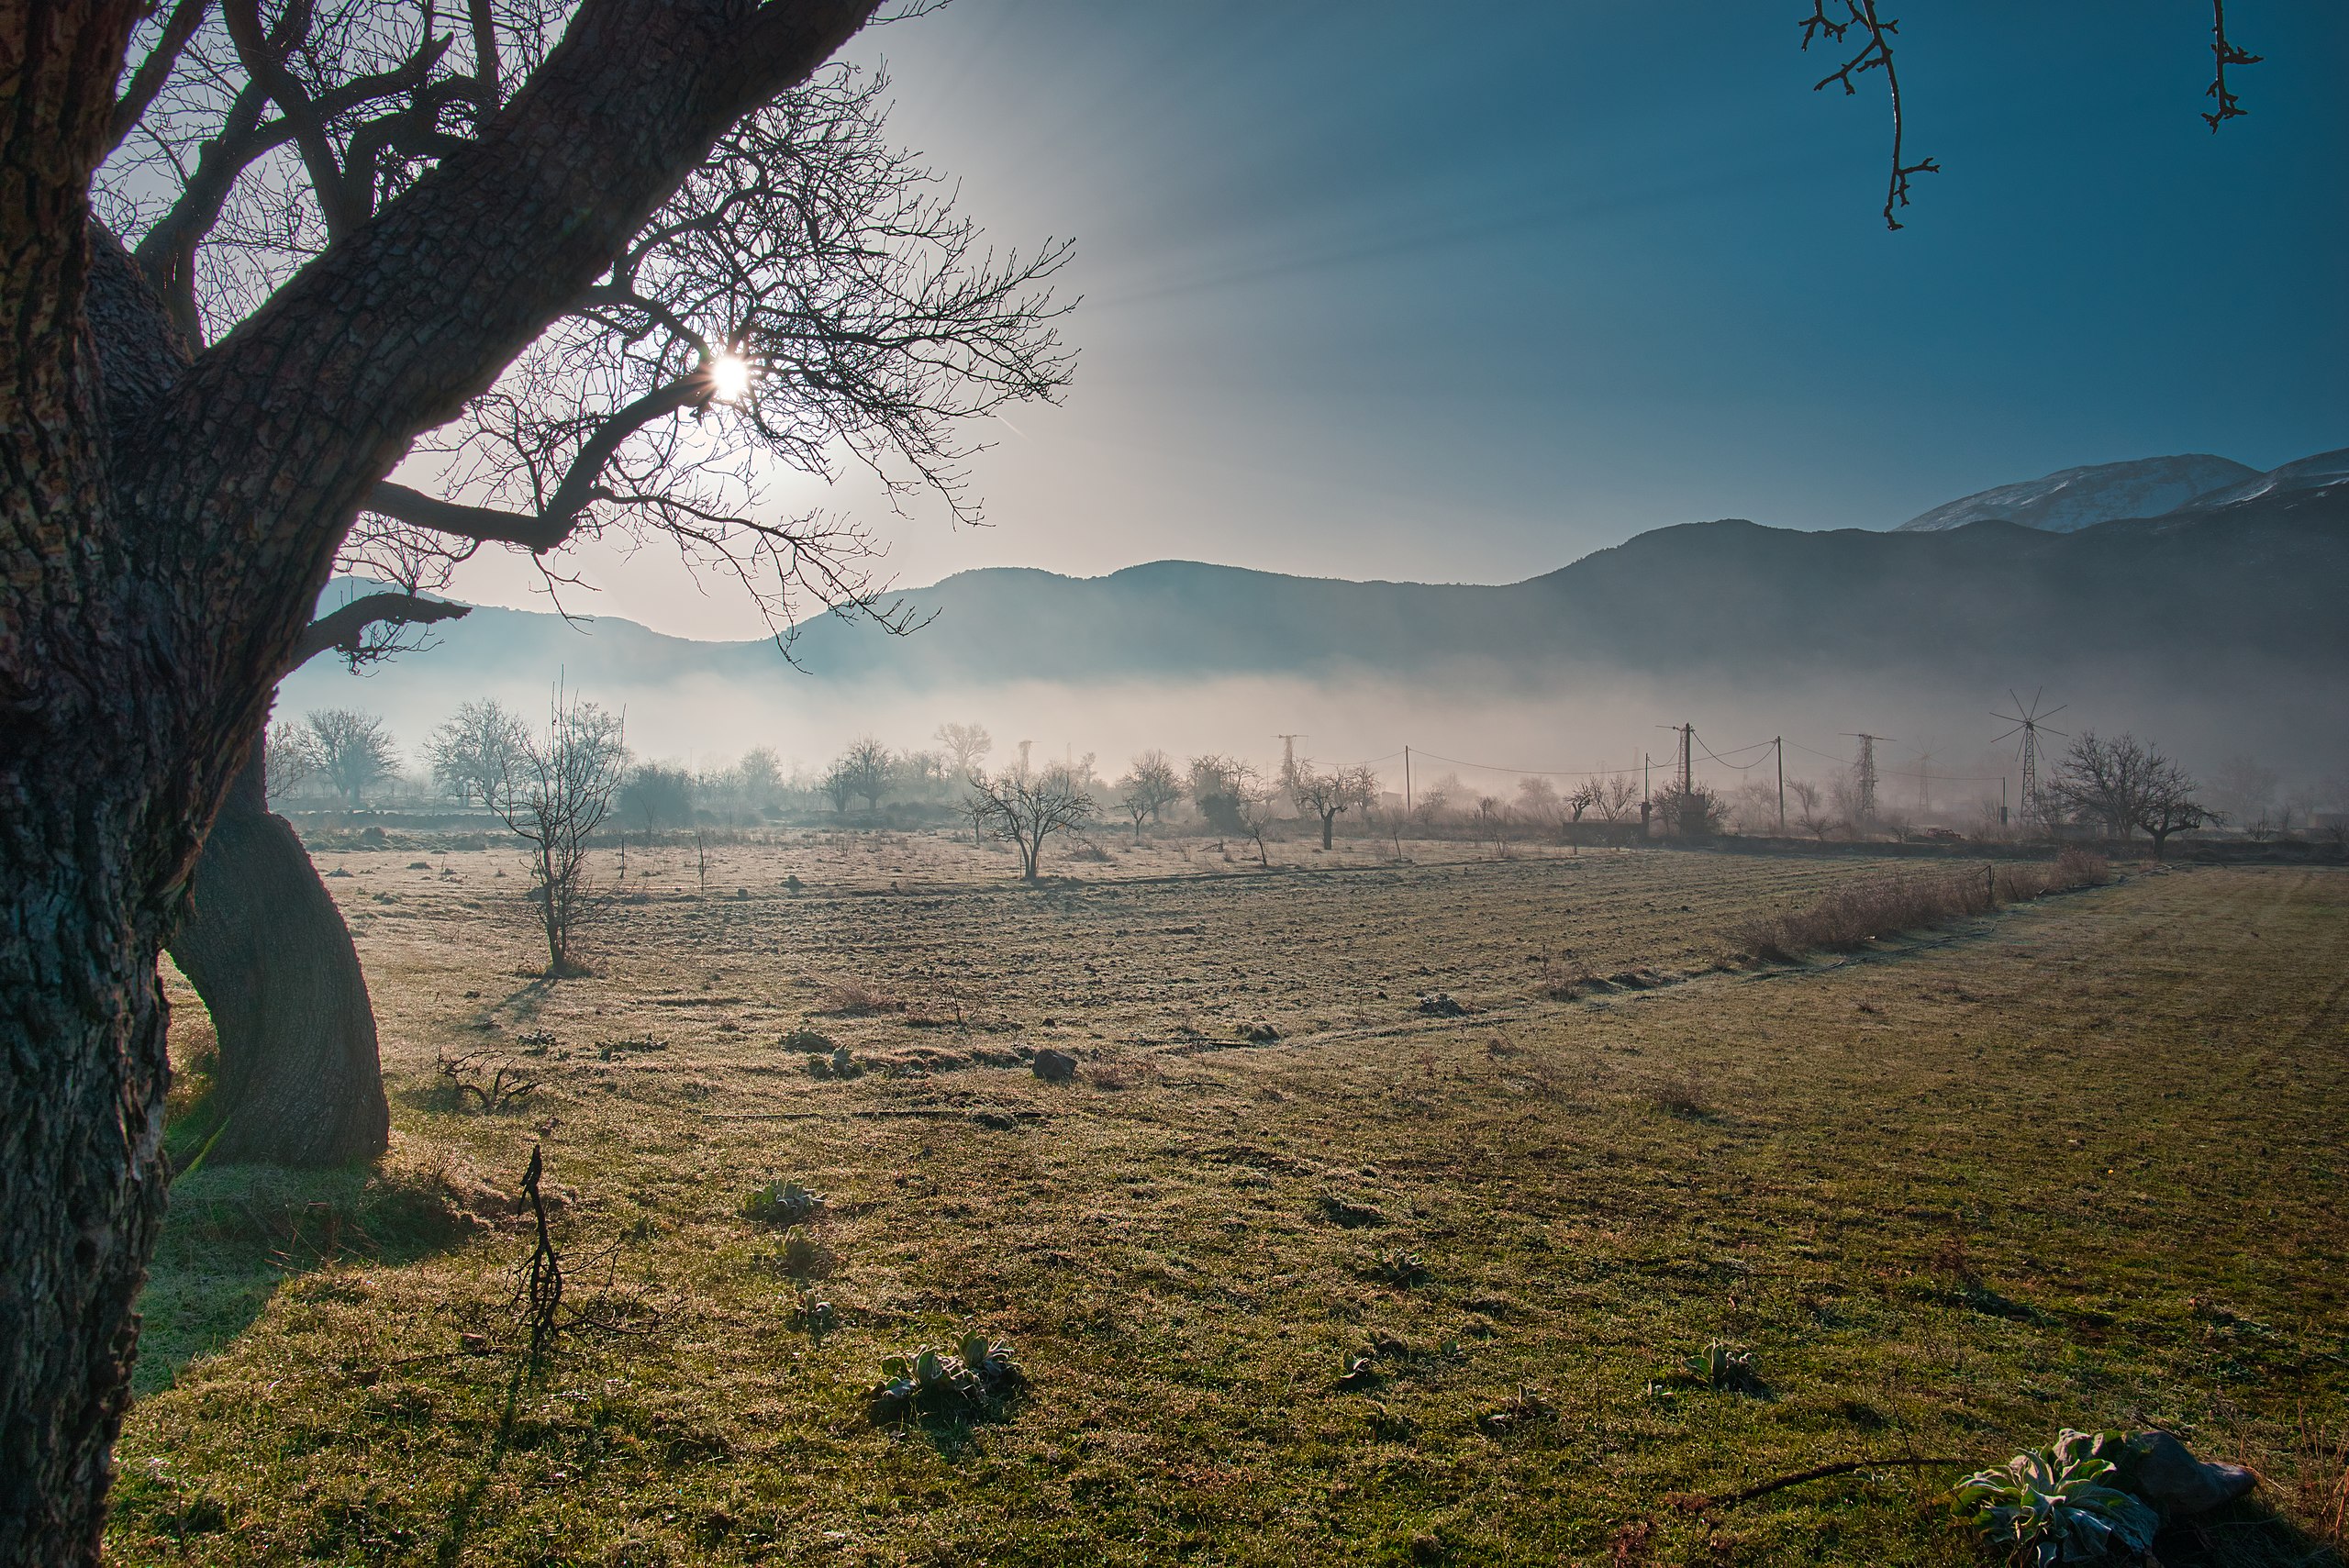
(1863, 771)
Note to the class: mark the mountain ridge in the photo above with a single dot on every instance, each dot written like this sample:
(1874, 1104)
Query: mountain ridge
(2178, 594)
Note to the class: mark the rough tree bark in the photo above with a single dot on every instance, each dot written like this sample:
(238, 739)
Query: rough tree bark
(163, 540)
(299, 1081)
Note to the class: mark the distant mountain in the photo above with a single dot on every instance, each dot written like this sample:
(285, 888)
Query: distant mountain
(2322, 472)
(2189, 598)
(2076, 498)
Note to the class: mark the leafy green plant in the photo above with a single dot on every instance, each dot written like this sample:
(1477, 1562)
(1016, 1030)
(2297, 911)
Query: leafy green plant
(782, 1203)
(2057, 1504)
(976, 1378)
(809, 1041)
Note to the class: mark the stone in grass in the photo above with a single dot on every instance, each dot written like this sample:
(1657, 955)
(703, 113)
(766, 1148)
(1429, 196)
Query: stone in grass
(2166, 1476)
(1054, 1066)
(1258, 1034)
(1439, 1005)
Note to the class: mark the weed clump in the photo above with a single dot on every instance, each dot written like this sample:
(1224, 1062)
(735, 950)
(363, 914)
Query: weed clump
(1683, 1096)
(1399, 1268)
(1724, 1367)
(978, 1378)
(783, 1204)
(1349, 1216)
(838, 1065)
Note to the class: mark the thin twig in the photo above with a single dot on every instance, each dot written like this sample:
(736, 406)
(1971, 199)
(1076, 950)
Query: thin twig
(2223, 54)
(1698, 1502)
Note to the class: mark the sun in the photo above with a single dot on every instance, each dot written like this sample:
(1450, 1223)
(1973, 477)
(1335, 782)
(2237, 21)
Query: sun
(729, 376)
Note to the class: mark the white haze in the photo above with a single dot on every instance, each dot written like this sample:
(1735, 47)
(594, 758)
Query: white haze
(1586, 720)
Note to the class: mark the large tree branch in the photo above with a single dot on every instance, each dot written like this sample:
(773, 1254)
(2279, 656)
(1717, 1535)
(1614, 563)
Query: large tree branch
(490, 524)
(580, 487)
(345, 630)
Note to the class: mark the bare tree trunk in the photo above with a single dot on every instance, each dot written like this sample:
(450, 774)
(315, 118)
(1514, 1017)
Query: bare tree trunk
(263, 944)
(1328, 819)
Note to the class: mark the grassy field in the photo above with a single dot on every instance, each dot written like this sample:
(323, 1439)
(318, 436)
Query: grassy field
(1379, 1284)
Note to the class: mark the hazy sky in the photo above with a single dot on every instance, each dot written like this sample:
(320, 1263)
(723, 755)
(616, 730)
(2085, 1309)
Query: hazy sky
(1461, 294)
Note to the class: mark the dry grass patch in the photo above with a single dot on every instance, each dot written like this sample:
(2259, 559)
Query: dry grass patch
(1851, 917)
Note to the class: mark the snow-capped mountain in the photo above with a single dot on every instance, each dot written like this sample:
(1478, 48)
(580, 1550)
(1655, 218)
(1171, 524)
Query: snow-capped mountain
(2076, 498)
(2318, 473)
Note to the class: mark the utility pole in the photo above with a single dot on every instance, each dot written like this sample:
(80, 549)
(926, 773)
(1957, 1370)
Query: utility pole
(1924, 785)
(1780, 743)
(1407, 781)
(1288, 754)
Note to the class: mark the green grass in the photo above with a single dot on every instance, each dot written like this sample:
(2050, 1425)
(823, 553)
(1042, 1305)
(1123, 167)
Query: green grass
(2079, 1165)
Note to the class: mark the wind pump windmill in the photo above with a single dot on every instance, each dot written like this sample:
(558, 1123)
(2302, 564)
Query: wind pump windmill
(2029, 721)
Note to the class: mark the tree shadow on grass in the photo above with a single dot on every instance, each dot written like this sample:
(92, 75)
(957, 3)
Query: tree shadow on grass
(234, 1233)
(467, 1502)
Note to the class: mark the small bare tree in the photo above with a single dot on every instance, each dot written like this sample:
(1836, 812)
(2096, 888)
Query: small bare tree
(472, 752)
(1023, 809)
(292, 756)
(1538, 801)
(1149, 788)
(1495, 822)
(1694, 812)
(866, 766)
(965, 746)
(354, 750)
(1324, 795)
(838, 784)
(1252, 810)
(1812, 813)
(556, 791)
(1612, 797)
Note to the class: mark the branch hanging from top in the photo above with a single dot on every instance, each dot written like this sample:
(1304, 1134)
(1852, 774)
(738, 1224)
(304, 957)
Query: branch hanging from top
(1875, 54)
(2224, 53)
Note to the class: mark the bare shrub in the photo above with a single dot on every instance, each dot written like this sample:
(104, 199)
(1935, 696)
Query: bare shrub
(2322, 1485)
(1682, 1096)
(854, 999)
(493, 1086)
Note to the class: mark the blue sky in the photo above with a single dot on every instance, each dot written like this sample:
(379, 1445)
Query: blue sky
(1384, 290)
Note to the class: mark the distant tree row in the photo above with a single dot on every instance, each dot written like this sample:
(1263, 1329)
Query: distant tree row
(2120, 786)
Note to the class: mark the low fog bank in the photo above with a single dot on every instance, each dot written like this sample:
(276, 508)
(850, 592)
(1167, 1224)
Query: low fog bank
(1484, 727)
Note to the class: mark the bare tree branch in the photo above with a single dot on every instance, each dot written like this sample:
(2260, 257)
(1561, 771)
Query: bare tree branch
(156, 68)
(348, 628)
(1875, 54)
(2223, 54)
